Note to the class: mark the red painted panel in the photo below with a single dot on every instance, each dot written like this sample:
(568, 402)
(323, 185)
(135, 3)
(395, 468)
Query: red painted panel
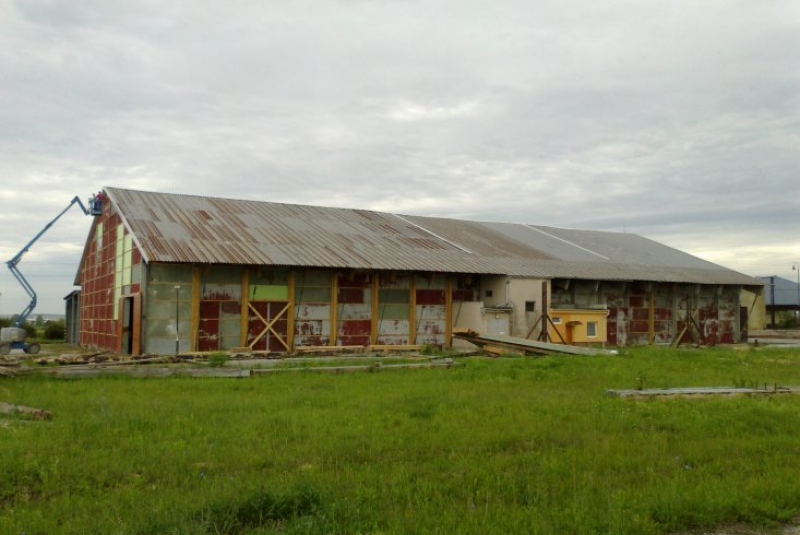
(208, 344)
(726, 338)
(663, 314)
(706, 313)
(355, 327)
(260, 306)
(641, 314)
(351, 295)
(209, 327)
(637, 301)
(726, 326)
(638, 327)
(274, 344)
(611, 326)
(430, 297)
(710, 332)
(354, 340)
(276, 308)
(231, 308)
(209, 310)
(309, 327)
(269, 341)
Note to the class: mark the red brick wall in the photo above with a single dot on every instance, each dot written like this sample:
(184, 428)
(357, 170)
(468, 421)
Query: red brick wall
(97, 325)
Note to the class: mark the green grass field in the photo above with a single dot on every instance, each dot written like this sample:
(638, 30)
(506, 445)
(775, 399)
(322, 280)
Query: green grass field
(516, 445)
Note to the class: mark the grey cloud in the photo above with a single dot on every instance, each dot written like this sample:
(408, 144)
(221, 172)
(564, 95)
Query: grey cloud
(678, 120)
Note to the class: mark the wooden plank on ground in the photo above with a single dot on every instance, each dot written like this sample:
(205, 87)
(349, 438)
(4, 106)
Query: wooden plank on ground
(328, 349)
(526, 346)
(702, 391)
(378, 347)
(37, 414)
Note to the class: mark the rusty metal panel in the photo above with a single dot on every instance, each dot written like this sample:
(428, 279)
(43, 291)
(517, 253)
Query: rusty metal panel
(354, 325)
(349, 311)
(431, 326)
(313, 312)
(354, 313)
(312, 324)
(393, 331)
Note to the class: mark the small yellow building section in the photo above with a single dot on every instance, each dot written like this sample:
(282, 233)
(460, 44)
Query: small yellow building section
(578, 326)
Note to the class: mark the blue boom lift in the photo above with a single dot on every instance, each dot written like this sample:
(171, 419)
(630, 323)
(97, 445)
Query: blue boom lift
(14, 337)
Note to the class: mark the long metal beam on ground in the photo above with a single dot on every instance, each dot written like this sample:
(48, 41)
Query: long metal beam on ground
(525, 346)
(703, 391)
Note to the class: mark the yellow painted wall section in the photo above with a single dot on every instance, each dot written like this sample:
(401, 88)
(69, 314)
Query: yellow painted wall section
(579, 326)
(753, 299)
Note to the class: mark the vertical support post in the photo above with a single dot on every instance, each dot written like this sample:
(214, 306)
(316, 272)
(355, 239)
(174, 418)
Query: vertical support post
(292, 312)
(448, 312)
(195, 297)
(334, 308)
(244, 308)
(373, 335)
(136, 326)
(412, 309)
(651, 316)
(544, 336)
(772, 300)
(177, 319)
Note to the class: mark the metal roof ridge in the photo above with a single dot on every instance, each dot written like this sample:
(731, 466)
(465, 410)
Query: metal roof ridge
(454, 244)
(109, 192)
(566, 241)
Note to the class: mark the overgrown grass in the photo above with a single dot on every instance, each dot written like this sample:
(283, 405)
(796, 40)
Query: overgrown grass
(497, 446)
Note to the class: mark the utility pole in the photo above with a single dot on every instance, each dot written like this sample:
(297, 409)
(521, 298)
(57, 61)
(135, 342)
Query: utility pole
(796, 268)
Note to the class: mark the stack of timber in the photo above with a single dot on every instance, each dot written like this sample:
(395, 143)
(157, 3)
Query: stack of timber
(501, 344)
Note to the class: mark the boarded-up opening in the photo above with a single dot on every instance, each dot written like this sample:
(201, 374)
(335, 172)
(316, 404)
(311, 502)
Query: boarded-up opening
(268, 310)
(354, 309)
(312, 308)
(394, 308)
(430, 312)
(220, 308)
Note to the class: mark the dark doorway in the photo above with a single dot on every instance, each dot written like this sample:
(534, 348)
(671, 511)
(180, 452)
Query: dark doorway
(126, 339)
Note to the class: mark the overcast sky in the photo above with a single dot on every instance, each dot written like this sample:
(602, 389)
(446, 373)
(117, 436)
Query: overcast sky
(678, 120)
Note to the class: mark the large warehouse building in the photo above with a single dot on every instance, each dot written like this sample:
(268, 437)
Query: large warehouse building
(164, 272)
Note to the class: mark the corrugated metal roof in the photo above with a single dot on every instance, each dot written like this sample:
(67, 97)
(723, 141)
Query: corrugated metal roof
(194, 229)
(787, 292)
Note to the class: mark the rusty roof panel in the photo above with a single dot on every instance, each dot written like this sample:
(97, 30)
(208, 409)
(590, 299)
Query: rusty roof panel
(188, 228)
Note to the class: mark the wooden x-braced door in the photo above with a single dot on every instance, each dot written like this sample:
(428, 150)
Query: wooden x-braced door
(267, 325)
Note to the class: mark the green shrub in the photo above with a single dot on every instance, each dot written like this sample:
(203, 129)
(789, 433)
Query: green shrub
(218, 359)
(55, 330)
(259, 509)
(788, 320)
(30, 330)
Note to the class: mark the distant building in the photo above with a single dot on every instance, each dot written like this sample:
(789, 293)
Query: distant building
(72, 317)
(164, 272)
(780, 295)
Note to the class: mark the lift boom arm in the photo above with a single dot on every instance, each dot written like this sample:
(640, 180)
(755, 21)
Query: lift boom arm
(95, 208)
